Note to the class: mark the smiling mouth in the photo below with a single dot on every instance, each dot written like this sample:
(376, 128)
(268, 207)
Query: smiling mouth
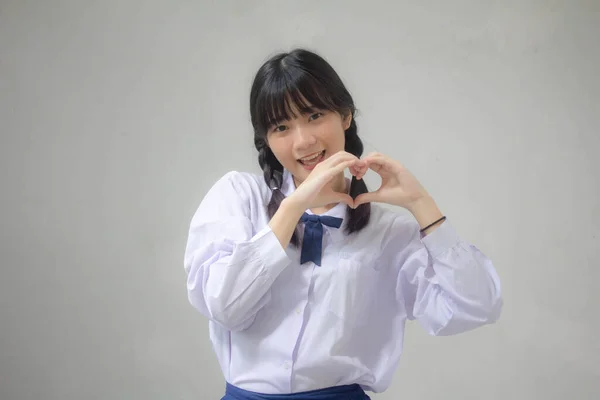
(312, 160)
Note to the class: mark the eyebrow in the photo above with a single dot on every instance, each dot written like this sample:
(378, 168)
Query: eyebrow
(308, 109)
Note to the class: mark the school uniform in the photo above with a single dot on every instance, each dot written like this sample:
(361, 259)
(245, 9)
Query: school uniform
(279, 327)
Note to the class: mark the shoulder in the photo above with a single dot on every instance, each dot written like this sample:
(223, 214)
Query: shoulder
(241, 180)
(247, 187)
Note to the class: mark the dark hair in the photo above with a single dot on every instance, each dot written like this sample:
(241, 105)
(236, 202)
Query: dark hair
(304, 79)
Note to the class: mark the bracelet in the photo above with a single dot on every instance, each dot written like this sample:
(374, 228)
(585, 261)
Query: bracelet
(432, 224)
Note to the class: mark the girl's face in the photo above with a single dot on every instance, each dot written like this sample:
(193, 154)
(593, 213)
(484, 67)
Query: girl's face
(300, 144)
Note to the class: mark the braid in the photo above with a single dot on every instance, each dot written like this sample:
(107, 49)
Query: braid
(358, 217)
(273, 175)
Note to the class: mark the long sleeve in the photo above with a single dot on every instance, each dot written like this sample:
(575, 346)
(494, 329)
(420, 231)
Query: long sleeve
(230, 269)
(446, 284)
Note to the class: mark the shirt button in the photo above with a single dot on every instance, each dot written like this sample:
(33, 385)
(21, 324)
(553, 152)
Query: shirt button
(286, 365)
(298, 311)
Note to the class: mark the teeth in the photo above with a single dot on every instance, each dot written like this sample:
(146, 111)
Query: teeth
(312, 157)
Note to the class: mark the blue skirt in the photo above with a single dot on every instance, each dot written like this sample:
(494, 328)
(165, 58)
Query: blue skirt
(345, 392)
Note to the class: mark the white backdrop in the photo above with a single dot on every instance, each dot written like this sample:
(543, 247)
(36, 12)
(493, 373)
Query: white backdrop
(117, 116)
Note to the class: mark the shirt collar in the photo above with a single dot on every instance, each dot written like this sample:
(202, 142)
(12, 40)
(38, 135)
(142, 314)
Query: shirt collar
(339, 210)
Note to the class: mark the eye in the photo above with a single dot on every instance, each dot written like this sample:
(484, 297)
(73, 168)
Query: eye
(279, 128)
(315, 116)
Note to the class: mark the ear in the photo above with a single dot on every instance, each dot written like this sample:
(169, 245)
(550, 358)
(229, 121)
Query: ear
(347, 120)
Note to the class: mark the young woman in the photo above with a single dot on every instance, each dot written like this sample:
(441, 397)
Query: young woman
(306, 280)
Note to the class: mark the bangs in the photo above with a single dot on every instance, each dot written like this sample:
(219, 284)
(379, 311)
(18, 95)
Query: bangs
(283, 96)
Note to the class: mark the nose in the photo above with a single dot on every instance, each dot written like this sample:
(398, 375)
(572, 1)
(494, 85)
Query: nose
(304, 137)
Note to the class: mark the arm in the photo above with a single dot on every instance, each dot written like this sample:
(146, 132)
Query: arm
(446, 284)
(285, 220)
(229, 269)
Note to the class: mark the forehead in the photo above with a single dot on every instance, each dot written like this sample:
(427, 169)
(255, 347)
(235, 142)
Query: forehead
(299, 109)
(291, 109)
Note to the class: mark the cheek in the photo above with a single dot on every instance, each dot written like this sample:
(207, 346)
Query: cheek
(334, 136)
(282, 151)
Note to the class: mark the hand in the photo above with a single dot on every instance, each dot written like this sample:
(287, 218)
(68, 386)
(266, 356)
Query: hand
(398, 186)
(316, 190)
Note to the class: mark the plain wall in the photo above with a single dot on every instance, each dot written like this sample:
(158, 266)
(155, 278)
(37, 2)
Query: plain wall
(117, 116)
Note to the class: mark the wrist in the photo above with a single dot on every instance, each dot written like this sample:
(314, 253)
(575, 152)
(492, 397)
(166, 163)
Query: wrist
(285, 220)
(425, 211)
(292, 206)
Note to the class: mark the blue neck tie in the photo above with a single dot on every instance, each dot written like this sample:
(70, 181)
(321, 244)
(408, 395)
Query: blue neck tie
(312, 244)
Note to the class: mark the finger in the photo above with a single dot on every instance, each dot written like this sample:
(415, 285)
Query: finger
(376, 164)
(357, 170)
(340, 167)
(364, 198)
(358, 175)
(330, 172)
(354, 171)
(375, 157)
(364, 169)
(343, 198)
(380, 163)
(341, 156)
(383, 161)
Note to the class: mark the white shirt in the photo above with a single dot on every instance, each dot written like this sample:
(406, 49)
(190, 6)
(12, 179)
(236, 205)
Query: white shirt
(280, 327)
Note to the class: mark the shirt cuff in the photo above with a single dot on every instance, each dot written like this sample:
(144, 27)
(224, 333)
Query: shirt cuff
(267, 245)
(443, 238)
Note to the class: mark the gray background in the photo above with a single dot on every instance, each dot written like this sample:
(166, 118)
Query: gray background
(117, 116)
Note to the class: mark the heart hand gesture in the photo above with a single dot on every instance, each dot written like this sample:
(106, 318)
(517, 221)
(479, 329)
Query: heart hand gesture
(316, 190)
(398, 186)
